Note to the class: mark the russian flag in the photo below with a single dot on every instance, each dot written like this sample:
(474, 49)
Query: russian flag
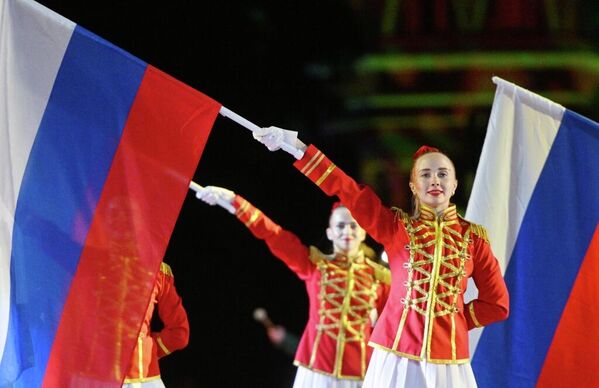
(97, 150)
(537, 192)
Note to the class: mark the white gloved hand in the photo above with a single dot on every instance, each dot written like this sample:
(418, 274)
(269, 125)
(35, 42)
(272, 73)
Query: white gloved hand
(214, 195)
(275, 138)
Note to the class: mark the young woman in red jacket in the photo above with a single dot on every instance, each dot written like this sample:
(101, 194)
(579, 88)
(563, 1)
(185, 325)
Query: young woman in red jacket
(344, 288)
(421, 338)
(144, 371)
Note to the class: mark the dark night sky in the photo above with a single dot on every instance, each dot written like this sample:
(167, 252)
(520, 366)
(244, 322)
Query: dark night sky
(250, 56)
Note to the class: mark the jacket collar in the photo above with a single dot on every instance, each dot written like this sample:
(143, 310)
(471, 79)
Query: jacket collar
(427, 213)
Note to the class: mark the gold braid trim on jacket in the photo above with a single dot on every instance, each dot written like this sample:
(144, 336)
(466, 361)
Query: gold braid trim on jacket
(401, 215)
(166, 269)
(381, 273)
(480, 231)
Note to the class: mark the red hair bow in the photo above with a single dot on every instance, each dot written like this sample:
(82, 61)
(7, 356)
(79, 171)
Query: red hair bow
(424, 150)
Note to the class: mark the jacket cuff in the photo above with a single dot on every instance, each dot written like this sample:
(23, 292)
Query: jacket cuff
(162, 349)
(315, 165)
(245, 212)
(472, 316)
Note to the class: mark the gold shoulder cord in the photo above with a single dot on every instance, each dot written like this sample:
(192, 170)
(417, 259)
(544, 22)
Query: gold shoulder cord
(401, 215)
(316, 255)
(166, 269)
(381, 273)
(480, 231)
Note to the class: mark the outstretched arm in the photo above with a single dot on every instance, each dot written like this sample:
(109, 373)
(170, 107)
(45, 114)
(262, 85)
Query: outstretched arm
(282, 243)
(378, 220)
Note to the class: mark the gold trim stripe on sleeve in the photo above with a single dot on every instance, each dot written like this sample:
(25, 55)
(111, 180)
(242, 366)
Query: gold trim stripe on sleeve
(316, 164)
(243, 208)
(310, 162)
(161, 344)
(253, 218)
(325, 175)
(473, 316)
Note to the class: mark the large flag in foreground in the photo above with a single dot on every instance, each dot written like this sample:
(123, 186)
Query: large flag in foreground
(97, 150)
(536, 190)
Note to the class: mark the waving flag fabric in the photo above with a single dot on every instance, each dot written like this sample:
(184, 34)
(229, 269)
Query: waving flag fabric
(97, 149)
(536, 191)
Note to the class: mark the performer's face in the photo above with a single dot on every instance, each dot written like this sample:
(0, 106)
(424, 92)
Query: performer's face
(433, 180)
(344, 232)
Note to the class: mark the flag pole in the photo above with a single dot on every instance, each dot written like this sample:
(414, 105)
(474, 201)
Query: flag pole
(238, 119)
(197, 188)
(253, 127)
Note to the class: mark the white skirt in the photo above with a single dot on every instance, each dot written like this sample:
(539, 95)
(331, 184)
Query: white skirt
(147, 384)
(388, 370)
(305, 378)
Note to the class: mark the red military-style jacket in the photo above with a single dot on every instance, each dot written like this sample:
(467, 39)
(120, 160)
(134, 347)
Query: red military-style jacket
(174, 336)
(342, 292)
(431, 258)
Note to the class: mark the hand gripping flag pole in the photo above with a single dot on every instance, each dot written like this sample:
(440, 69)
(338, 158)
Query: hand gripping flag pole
(197, 188)
(253, 127)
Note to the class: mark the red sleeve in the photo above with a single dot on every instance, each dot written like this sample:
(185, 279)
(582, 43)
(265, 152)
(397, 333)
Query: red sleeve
(366, 207)
(175, 334)
(282, 243)
(492, 303)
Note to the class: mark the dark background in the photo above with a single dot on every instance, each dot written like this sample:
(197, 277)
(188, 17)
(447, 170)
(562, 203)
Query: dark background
(295, 64)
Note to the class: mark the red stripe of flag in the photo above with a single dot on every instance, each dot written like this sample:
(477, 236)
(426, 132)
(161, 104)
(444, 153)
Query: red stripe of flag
(162, 142)
(572, 357)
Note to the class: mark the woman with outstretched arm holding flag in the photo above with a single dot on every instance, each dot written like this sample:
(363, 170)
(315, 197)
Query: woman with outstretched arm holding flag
(344, 288)
(421, 338)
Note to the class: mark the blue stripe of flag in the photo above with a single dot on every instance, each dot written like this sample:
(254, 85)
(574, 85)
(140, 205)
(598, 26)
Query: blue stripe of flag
(68, 165)
(553, 239)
